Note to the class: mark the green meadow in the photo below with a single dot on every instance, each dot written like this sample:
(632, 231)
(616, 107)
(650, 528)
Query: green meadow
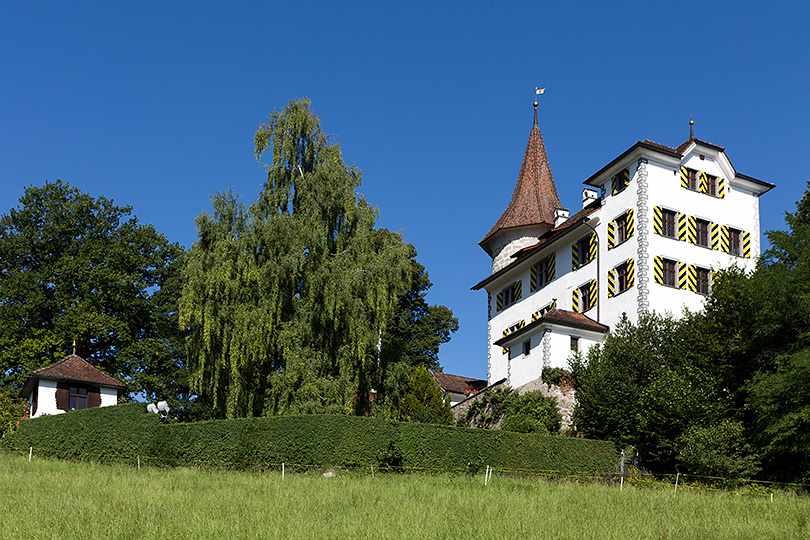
(59, 499)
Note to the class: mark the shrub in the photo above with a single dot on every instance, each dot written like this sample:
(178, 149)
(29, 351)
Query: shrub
(126, 433)
(532, 412)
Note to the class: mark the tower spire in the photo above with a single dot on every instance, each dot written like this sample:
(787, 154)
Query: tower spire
(534, 200)
(691, 127)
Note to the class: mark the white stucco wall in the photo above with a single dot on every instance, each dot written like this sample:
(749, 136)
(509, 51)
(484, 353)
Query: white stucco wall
(46, 398)
(739, 209)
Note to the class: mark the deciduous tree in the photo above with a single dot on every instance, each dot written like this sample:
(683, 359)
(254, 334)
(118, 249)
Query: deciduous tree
(75, 267)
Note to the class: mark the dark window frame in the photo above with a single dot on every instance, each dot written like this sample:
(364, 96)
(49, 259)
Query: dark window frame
(575, 343)
(692, 182)
(702, 237)
(77, 398)
(585, 297)
(669, 223)
(584, 248)
(670, 273)
(702, 280)
(527, 347)
(734, 242)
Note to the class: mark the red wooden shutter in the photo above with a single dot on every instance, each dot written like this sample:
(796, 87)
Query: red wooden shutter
(93, 397)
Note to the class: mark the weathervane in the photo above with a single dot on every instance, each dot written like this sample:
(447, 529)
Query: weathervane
(537, 92)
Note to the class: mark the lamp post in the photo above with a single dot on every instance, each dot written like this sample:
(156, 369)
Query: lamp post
(585, 221)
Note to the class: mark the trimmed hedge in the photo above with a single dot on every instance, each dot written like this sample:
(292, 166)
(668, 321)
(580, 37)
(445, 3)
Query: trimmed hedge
(126, 433)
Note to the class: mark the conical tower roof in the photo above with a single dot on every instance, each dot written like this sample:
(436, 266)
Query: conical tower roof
(535, 197)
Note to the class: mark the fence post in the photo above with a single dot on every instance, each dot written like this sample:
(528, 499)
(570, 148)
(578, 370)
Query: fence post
(282, 470)
(677, 477)
(30, 453)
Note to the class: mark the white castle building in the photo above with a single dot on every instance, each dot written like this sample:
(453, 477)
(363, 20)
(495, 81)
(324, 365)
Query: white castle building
(654, 225)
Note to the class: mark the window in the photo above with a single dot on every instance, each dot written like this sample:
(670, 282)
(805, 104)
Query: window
(78, 398)
(621, 274)
(711, 185)
(668, 218)
(581, 251)
(621, 229)
(543, 272)
(734, 245)
(692, 180)
(669, 273)
(509, 295)
(574, 343)
(701, 281)
(585, 297)
(702, 232)
(527, 347)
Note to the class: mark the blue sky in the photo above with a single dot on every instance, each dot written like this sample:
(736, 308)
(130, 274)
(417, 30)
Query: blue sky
(155, 105)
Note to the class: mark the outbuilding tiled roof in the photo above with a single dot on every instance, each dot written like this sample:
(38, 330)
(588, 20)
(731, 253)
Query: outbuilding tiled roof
(457, 383)
(561, 317)
(535, 197)
(75, 368)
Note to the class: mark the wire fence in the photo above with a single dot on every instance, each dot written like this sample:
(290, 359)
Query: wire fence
(633, 477)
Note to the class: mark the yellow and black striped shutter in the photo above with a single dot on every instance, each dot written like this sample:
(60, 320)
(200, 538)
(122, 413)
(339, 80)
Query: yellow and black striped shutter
(692, 278)
(692, 230)
(631, 272)
(575, 301)
(715, 236)
(684, 178)
(631, 223)
(499, 301)
(682, 227)
(682, 271)
(658, 269)
(592, 247)
(517, 290)
(575, 256)
(611, 234)
(658, 219)
(724, 243)
(552, 267)
(721, 188)
(533, 277)
(704, 182)
(505, 349)
(746, 244)
(592, 292)
(614, 185)
(611, 283)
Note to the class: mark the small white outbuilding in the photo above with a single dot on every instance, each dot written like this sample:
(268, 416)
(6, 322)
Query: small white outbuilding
(68, 385)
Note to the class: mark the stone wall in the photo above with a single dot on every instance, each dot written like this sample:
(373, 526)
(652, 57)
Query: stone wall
(565, 396)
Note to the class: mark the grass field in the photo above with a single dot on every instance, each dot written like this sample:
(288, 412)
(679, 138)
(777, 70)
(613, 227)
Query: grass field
(55, 499)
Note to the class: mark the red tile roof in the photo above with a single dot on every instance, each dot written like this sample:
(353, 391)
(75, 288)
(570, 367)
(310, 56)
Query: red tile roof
(457, 383)
(75, 368)
(561, 317)
(535, 197)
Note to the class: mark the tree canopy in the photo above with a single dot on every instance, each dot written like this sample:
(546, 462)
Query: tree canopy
(75, 267)
(724, 391)
(288, 299)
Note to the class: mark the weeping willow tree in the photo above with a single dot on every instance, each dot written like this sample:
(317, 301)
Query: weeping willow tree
(286, 300)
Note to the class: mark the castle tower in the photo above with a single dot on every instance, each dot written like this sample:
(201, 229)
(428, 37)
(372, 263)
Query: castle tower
(533, 207)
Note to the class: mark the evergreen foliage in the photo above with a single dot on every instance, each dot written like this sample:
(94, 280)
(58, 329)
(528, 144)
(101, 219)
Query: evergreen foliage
(423, 400)
(288, 299)
(75, 267)
(127, 433)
